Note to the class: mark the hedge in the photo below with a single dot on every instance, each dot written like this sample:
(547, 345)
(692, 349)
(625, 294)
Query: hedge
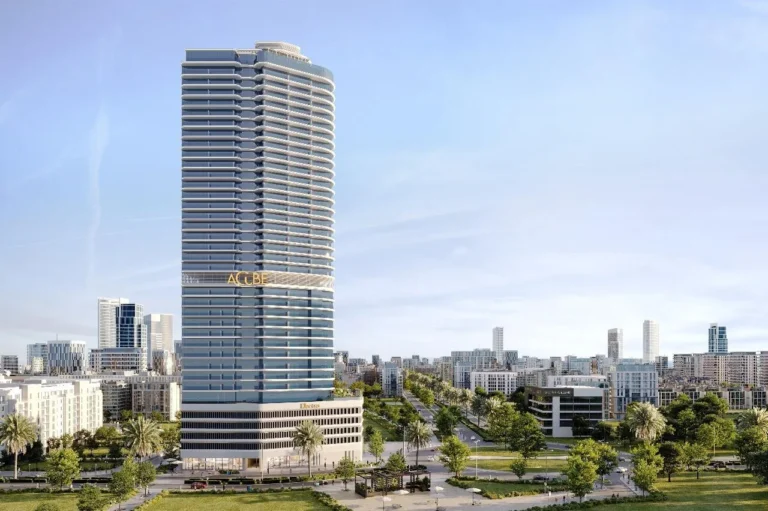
(466, 482)
(587, 504)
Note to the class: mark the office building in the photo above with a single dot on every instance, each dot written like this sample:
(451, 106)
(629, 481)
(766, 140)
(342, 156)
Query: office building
(650, 341)
(116, 395)
(498, 344)
(615, 344)
(398, 361)
(54, 406)
(510, 359)
(376, 360)
(631, 383)
(662, 365)
(66, 357)
(578, 380)
(37, 350)
(556, 407)
(107, 321)
(159, 332)
(718, 339)
(341, 356)
(163, 362)
(257, 260)
(391, 379)
(10, 363)
(131, 330)
(492, 381)
(118, 359)
(462, 375)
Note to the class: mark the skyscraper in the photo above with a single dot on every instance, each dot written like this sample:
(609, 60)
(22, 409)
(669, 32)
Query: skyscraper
(650, 341)
(257, 260)
(718, 339)
(107, 321)
(159, 332)
(498, 343)
(131, 330)
(615, 345)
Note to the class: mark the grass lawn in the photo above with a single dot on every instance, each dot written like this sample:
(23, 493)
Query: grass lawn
(29, 501)
(502, 489)
(500, 451)
(534, 465)
(85, 466)
(715, 491)
(288, 501)
(387, 429)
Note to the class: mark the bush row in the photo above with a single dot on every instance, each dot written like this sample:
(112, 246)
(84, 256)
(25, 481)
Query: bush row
(151, 502)
(511, 493)
(653, 497)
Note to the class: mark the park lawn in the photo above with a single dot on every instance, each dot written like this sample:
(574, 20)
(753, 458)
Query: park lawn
(501, 451)
(29, 501)
(715, 491)
(497, 489)
(387, 429)
(535, 465)
(288, 501)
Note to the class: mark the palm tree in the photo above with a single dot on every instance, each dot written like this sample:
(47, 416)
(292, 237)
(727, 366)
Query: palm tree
(16, 431)
(753, 417)
(646, 421)
(308, 439)
(142, 436)
(418, 435)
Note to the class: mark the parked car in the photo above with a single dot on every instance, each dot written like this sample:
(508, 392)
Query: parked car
(199, 485)
(621, 470)
(539, 478)
(623, 459)
(717, 464)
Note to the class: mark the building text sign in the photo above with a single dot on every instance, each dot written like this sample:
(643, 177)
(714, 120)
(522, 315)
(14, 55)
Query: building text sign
(247, 278)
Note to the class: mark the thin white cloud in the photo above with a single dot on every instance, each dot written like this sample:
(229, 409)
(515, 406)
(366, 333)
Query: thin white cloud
(99, 139)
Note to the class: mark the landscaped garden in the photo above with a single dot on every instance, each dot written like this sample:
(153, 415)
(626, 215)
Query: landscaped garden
(29, 501)
(534, 465)
(278, 501)
(496, 489)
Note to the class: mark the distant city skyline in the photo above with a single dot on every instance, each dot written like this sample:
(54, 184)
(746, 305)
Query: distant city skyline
(573, 203)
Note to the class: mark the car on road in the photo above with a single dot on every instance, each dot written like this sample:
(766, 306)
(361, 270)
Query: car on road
(199, 485)
(623, 459)
(717, 464)
(539, 478)
(621, 470)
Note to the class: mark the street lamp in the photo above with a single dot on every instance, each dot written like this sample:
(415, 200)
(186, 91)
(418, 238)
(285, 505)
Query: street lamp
(477, 441)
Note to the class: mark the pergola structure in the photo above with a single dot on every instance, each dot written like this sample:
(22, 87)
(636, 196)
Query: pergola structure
(380, 481)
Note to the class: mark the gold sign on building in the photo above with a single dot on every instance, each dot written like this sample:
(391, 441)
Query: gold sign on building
(245, 278)
(305, 406)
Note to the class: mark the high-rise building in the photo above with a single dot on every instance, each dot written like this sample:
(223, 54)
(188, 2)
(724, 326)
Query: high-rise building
(376, 360)
(718, 339)
(257, 260)
(131, 330)
(159, 332)
(107, 321)
(631, 383)
(10, 363)
(615, 345)
(498, 343)
(38, 350)
(650, 341)
(66, 357)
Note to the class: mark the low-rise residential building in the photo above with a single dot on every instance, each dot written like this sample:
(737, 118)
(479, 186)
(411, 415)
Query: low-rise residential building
(555, 407)
(631, 383)
(494, 381)
(10, 363)
(151, 393)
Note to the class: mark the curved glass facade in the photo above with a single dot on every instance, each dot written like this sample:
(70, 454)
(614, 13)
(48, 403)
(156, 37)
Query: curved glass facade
(257, 226)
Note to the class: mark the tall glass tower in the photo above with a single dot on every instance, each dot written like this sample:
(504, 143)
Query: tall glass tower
(718, 339)
(257, 259)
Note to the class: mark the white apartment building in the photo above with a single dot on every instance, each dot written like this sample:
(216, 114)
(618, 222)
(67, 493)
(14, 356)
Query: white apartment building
(650, 341)
(493, 381)
(743, 368)
(578, 380)
(684, 365)
(118, 359)
(56, 407)
(107, 321)
(763, 358)
(155, 394)
(631, 383)
(498, 343)
(159, 332)
(711, 366)
(477, 359)
(163, 362)
(391, 378)
(66, 357)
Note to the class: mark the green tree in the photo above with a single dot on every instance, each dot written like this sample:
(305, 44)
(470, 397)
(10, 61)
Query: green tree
(145, 475)
(115, 450)
(581, 426)
(580, 476)
(501, 422)
(603, 456)
(519, 467)
(142, 436)
(396, 463)
(376, 445)
(48, 506)
(694, 455)
(428, 398)
(754, 417)
(604, 431)
(709, 406)
(121, 486)
(454, 454)
(748, 442)
(648, 453)
(35, 453)
(519, 399)
(716, 433)
(345, 470)
(157, 416)
(478, 405)
(170, 439)
(106, 435)
(126, 415)
(480, 391)
(644, 475)
(417, 435)
(526, 435)
(90, 499)
(645, 421)
(671, 453)
(445, 421)
(16, 431)
(67, 441)
(308, 440)
(687, 423)
(63, 467)
(81, 441)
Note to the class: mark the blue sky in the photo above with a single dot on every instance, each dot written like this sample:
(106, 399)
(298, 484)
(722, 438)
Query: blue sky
(559, 168)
